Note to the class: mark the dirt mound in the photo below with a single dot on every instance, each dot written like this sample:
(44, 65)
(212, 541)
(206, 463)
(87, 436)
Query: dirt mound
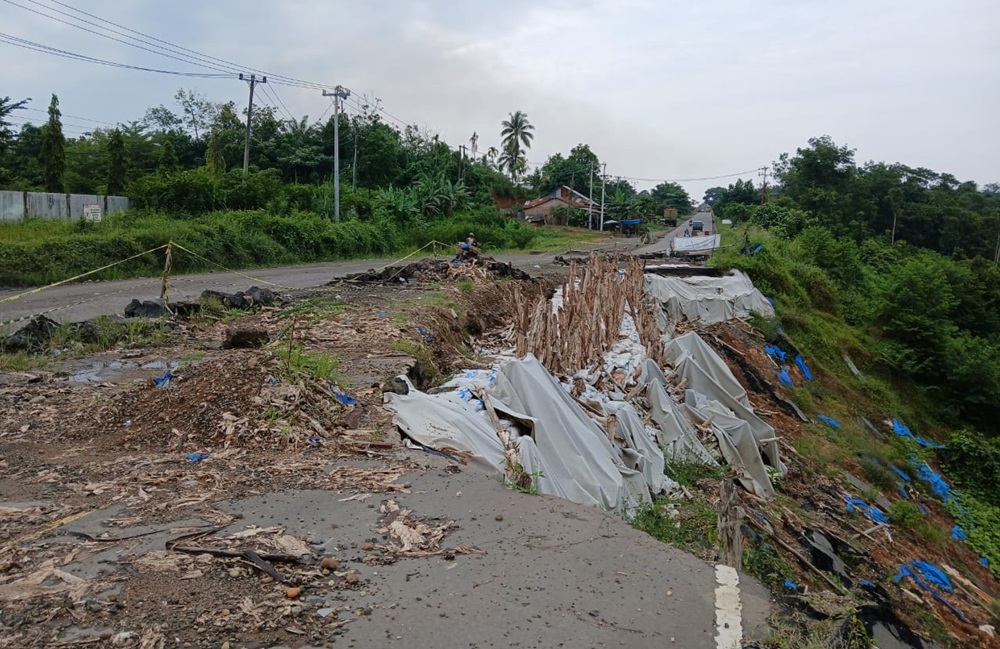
(434, 270)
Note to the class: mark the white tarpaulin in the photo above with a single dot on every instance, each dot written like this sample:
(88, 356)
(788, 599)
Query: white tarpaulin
(569, 453)
(707, 299)
(695, 245)
(715, 394)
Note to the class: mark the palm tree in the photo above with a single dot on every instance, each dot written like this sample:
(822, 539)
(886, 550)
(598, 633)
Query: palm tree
(516, 131)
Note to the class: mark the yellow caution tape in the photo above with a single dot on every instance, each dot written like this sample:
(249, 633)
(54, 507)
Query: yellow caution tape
(81, 275)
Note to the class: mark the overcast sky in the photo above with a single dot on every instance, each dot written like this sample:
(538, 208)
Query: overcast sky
(660, 89)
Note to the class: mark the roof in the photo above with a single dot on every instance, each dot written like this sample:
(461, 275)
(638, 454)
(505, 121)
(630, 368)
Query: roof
(576, 199)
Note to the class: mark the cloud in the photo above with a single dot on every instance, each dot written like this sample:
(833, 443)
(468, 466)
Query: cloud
(658, 89)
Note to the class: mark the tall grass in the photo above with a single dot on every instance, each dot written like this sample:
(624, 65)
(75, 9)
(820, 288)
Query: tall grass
(37, 251)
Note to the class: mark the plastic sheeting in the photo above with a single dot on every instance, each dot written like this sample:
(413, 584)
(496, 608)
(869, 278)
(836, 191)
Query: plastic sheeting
(567, 452)
(693, 359)
(695, 245)
(707, 299)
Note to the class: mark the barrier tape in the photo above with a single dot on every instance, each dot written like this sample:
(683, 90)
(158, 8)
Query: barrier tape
(94, 298)
(166, 282)
(81, 275)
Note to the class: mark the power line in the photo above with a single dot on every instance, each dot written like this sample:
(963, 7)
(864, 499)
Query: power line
(273, 92)
(178, 49)
(689, 180)
(118, 40)
(82, 119)
(38, 47)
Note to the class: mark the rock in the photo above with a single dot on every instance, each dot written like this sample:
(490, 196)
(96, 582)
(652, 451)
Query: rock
(293, 592)
(498, 517)
(329, 563)
(252, 297)
(245, 338)
(367, 547)
(147, 309)
(33, 337)
(396, 385)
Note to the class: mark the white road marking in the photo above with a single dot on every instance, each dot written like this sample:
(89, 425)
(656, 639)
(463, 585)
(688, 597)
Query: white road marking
(728, 609)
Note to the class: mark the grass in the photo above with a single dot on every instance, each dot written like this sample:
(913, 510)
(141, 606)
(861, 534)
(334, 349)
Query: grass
(558, 238)
(302, 364)
(18, 362)
(687, 473)
(689, 524)
(761, 560)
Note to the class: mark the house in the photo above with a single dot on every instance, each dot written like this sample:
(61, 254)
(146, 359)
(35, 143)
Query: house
(540, 210)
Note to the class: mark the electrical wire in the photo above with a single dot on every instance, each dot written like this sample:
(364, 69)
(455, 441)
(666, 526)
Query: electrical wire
(118, 40)
(178, 49)
(274, 93)
(82, 119)
(178, 53)
(38, 47)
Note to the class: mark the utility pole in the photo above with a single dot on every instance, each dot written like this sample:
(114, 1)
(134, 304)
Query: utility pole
(763, 187)
(461, 162)
(590, 204)
(246, 147)
(996, 257)
(339, 93)
(604, 174)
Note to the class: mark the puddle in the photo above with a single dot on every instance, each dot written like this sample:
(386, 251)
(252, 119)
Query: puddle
(98, 371)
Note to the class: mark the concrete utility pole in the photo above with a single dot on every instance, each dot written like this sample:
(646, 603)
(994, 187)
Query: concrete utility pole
(246, 148)
(461, 163)
(590, 204)
(604, 174)
(339, 93)
(763, 187)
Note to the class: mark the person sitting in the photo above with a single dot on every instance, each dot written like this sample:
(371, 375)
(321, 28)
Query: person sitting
(687, 232)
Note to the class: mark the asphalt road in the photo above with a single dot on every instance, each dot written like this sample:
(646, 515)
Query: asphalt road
(86, 300)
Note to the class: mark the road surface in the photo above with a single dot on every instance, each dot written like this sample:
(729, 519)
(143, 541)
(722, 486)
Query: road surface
(86, 300)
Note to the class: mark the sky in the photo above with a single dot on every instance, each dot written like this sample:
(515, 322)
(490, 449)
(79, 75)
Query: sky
(659, 89)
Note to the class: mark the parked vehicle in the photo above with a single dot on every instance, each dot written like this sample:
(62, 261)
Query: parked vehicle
(698, 226)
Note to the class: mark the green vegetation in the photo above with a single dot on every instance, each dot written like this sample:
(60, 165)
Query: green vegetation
(689, 524)
(301, 364)
(36, 252)
(762, 560)
(894, 267)
(687, 473)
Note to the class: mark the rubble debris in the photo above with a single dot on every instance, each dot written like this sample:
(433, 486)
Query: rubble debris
(251, 298)
(147, 309)
(238, 337)
(429, 270)
(33, 337)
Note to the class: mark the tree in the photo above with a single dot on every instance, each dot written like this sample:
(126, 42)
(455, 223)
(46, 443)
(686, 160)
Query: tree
(116, 163)
(572, 171)
(713, 194)
(54, 149)
(673, 196)
(516, 132)
(6, 108)
(198, 111)
(168, 157)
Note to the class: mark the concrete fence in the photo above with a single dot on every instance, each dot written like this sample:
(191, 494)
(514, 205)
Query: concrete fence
(15, 206)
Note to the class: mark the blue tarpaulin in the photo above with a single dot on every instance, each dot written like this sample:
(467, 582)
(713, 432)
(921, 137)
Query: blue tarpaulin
(904, 571)
(871, 511)
(900, 429)
(934, 480)
(958, 533)
(933, 574)
(345, 398)
(775, 352)
(791, 585)
(828, 420)
(902, 474)
(163, 380)
(801, 364)
(196, 457)
(784, 378)
(984, 561)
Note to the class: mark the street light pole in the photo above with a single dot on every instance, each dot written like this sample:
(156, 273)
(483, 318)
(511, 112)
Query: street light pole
(339, 93)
